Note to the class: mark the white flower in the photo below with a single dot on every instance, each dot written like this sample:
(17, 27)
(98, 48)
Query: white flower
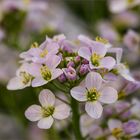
(48, 111)
(93, 93)
(23, 78)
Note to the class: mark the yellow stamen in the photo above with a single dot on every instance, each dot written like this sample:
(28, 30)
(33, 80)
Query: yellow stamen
(45, 72)
(26, 2)
(44, 53)
(93, 94)
(95, 58)
(26, 77)
(35, 45)
(102, 40)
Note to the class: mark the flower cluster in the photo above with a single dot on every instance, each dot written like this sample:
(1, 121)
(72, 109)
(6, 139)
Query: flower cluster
(86, 71)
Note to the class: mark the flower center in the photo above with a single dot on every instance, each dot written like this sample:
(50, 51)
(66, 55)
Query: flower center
(26, 77)
(101, 40)
(45, 72)
(34, 45)
(95, 59)
(117, 132)
(92, 94)
(130, 1)
(44, 53)
(46, 112)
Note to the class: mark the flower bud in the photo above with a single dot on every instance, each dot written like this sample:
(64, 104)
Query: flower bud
(83, 69)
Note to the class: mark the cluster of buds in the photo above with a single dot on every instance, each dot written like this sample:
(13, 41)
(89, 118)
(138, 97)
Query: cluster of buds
(90, 70)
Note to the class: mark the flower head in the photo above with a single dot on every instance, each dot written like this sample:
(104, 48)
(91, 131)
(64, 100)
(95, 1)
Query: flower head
(94, 93)
(96, 56)
(48, 111)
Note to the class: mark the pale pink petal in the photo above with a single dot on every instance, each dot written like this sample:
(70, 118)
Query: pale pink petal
(99, 48)
(34, 69)
(46, 98)
(79, 93)
(38, 81)
(108, 62)
(111, 138)
(45, 123)
(108, 95)
(56, 73)
(52, 48)
(33, 113)
(61, 111)
(85, 53)
(16, 83)
(53, 61)
(93, 80)
(114, 123)
(94, 109)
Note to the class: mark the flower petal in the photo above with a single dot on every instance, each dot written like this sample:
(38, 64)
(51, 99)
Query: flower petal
(38, 81)
(85, 53)
(108, 95)
(33, 113)
(93, 80)
(108, 62)
(46, 98)
(114, 123)
(61, 111)
(16, 83)
(53, 61)
(94, 109)
(99, 48)
(79, 93)
(45, 123)
(56, 73)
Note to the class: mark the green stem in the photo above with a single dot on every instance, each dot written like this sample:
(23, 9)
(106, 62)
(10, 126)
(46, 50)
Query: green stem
(76, 119)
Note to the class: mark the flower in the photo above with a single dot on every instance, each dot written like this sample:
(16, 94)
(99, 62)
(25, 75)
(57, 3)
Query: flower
(48, 111)
(96, 56)
(94, 93)
(44, 73)
(39, 54)
(132, 41)
(123, 130)
(23, 78)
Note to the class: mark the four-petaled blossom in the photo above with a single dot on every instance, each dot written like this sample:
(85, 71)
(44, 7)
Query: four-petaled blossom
(48, 111)
(96, 56)
(125, 130)
(94, 93)
(43, 73)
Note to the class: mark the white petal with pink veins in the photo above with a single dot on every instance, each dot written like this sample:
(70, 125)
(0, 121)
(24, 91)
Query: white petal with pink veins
(33, 113)
(94, 109)
(61, 111)
(108, 95)
(93, 80)
(85, 53)
(79, 93)
(46, 98)
(45, 123)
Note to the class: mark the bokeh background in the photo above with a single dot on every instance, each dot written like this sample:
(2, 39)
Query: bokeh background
(23, 22)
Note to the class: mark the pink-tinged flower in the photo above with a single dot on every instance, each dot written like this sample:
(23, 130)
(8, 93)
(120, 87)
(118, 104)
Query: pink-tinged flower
(96, 56)
(39, 54)
(132, 41)
(48, 111)
(84, 69)
(46, 72)
(123, 130)
(94, 93)
(23, 78)
(135, 109)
